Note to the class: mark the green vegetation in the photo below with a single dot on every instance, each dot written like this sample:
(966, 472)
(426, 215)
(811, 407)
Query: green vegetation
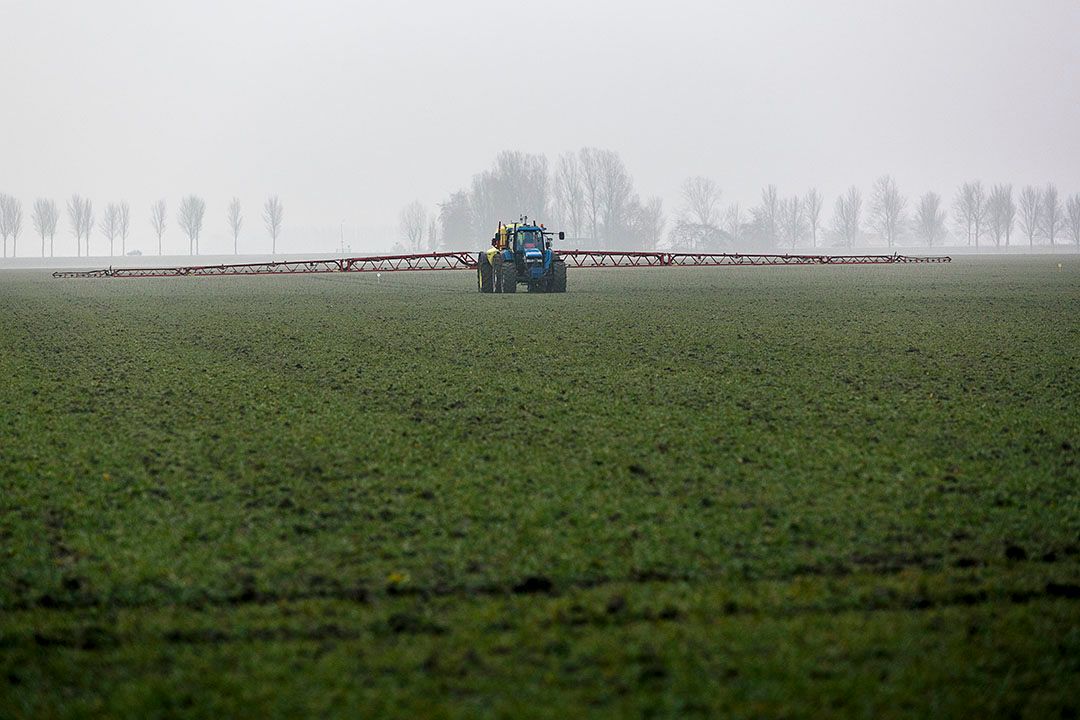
(677, 492)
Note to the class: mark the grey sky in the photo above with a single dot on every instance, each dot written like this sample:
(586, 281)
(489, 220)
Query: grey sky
(349, 110)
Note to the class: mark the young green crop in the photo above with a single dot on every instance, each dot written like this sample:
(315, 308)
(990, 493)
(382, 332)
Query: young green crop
(676, 491)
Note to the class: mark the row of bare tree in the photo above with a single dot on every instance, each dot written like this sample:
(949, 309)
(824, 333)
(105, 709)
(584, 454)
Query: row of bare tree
(115, 222)
(978, 215)
(590, 195)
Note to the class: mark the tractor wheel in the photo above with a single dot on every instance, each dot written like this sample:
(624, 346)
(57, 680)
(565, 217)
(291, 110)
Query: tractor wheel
(485, 274)
(507, 276)
(558, 277)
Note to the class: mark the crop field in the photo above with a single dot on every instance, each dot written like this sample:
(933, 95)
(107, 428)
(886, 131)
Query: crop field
(680, 492)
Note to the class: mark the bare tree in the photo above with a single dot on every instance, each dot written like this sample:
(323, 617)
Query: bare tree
(124, 226)
(812, 209)
(456, 218)
(236, 220)
(87, 222)
(412, 221)
(433, 233)
(618, 199)
(1030, 213)
(887, 209)
(273, 214)
(45, 217)
(75, 210)
(569, 196)
(970, 210)
(157, 220)
(1000, 213)
(10, 221)
(1072, 210)
(81, 216)
(1053, 216)
(847, 219)
(930, 219)
(701, 201)
(110, 224)
(190, 220)
(765, 225)
(591, 190)
(792, 220)
(733, 223)
(647, 225)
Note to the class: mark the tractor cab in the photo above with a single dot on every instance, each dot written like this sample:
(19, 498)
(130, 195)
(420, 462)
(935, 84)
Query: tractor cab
(529, 244)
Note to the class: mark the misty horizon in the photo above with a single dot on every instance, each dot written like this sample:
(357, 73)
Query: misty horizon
(350, 114)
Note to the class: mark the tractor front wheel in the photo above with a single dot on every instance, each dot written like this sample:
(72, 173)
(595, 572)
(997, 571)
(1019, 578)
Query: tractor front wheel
(558, 277)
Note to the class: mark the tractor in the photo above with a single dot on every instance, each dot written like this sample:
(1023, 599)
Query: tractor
(521, 253)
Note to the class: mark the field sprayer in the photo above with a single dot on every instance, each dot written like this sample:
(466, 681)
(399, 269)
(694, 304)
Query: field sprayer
(520, 253)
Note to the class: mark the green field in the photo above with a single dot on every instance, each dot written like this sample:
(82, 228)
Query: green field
(669, 492)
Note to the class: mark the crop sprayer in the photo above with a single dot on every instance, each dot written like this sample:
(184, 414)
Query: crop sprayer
(520, 254)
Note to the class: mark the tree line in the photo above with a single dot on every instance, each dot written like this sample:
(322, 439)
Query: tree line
(591, 196)
(114, 224)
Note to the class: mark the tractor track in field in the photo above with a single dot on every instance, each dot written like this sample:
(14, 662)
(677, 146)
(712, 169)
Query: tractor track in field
(250, 595)
(616, 612)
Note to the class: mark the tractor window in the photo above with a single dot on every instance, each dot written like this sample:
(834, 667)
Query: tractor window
(531, 240)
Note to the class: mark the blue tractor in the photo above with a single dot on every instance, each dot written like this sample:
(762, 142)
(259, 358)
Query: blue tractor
(521, 253)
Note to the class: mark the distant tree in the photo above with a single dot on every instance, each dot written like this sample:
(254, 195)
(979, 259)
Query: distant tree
(812, 209)
(589, 163)
(970, 210)
(455, 216)
(647, 225)
(10, 222)
(411, 221)
(765, 218)
(235, 219)
(1072, 210)
(124, 226)
(45, 217)
(522, 184)
(847, 218)
(190, 220)
(1000, 213)
(81, 216)
(1053, 216)
(75, 209)
(1030, 213)
(158, 218)
(273, 214)
(433, 233)
(733, 223)
(930, 219)
(569, 195)
(792, 220)
(887, 207)
(701, 201)
(619, 202)
(110, 224)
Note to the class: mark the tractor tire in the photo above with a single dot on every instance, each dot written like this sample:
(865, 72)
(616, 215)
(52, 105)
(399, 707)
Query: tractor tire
(506, 277)
(485, 274)
(558, 277)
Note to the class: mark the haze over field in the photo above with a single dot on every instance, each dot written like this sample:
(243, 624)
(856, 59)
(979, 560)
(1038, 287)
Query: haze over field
(350, 111)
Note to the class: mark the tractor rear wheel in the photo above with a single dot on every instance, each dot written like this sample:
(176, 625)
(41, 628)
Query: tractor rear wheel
(558, 277)
(485, 274)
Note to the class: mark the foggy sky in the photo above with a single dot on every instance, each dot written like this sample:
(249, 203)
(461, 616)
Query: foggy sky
(349, 110)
